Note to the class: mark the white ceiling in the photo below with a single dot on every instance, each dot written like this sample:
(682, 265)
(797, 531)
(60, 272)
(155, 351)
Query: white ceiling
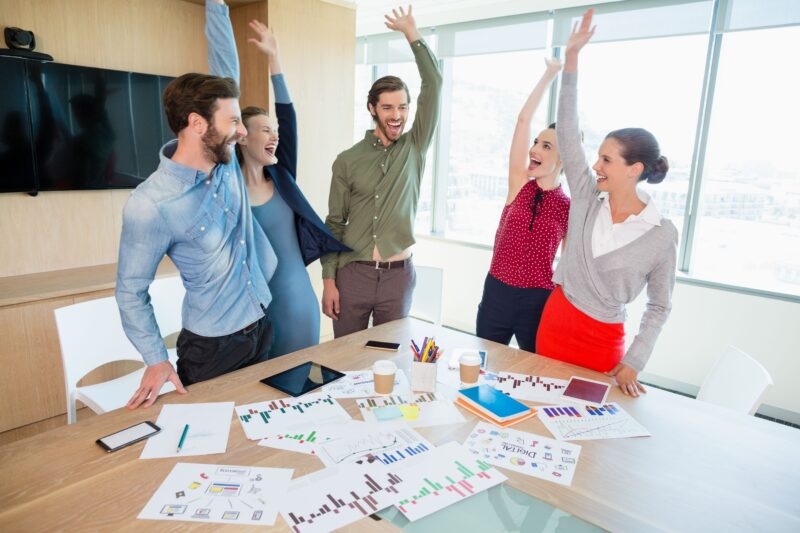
(369, 13)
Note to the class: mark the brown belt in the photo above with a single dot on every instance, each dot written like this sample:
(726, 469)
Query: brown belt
(385, 265)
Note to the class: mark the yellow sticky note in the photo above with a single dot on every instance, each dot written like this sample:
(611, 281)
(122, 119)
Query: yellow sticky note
(410, 412)
(194, 485)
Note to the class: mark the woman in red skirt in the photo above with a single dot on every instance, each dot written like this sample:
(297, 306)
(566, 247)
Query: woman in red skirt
(619, 243)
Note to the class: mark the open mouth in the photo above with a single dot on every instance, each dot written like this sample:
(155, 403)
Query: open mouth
(271, 150)
(534, 164)
(394, 127)
(601, 179)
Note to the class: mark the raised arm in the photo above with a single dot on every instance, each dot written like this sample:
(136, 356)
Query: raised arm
(518, 156)
(222, 58)
(267, 43)
(576, 167)
(429, 101)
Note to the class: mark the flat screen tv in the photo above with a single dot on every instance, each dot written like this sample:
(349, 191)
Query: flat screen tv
(83, 128)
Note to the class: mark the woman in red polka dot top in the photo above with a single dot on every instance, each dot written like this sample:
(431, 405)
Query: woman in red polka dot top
(533, 223)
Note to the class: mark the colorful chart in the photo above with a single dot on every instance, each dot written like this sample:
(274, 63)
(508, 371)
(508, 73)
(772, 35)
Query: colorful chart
(334, 497)
(588, 422)
(386, 443)
(361, 385)
(442, 477)
(526, 387)
(307, 438)
(434, 410)
(524, 452)
(264, 419)
(219, 494)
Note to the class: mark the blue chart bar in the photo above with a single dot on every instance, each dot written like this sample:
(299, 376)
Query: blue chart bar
(560, 411)
(610, 409)
(574, 411)
(398, 455)
(549, 412)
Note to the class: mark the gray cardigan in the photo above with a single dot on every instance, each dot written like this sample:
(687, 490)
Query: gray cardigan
(601, 286)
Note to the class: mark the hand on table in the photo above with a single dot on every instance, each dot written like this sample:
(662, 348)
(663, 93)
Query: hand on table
(154, 377)
(626, 379)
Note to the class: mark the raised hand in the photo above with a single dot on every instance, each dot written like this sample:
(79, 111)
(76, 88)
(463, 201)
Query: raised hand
(581, 33)
(552, 66)
(265, 40)
(404, 23)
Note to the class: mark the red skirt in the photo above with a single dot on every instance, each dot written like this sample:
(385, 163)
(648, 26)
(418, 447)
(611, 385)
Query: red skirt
(570, 335)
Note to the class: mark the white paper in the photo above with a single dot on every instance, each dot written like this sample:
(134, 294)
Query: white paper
(527, 453)
(434, 410)
(307, 438)
(263, 419)
(526, 387)
(222, 494)
(426, 489)
(361, 385)
(386, 443)
(586, 422)
(209, 425)
(334, 497)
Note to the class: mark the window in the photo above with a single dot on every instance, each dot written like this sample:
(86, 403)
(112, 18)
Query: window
(748, 229)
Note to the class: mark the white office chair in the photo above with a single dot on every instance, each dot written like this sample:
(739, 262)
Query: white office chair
(91, 335)
(737, 381)
(427, 299)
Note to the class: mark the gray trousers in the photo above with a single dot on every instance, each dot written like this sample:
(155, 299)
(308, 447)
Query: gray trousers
(365, 290)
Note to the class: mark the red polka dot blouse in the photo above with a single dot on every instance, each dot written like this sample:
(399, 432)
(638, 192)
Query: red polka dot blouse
(530, 230)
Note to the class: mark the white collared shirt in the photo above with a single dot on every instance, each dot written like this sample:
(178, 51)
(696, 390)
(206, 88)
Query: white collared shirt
(607, 236)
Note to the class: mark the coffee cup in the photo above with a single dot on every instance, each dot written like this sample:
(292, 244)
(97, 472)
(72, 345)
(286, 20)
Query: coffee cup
(470, 368)
(383, 372)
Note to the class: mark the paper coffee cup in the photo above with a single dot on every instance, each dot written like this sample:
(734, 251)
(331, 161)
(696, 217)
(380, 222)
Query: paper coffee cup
(470, 368)
(383, 372)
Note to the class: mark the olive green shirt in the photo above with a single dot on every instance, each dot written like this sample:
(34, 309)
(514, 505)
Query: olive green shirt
(375, 188)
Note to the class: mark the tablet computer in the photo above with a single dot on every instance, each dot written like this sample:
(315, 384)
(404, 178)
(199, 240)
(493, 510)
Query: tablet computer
(587, 391)
(302, 378)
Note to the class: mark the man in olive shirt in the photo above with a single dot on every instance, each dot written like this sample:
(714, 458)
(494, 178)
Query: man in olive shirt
(373, 198)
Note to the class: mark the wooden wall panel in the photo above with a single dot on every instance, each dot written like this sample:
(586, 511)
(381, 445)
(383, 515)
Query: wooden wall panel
(60, 230)
(254, 84)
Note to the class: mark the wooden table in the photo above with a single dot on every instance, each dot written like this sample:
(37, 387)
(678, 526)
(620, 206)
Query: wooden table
(704, 468)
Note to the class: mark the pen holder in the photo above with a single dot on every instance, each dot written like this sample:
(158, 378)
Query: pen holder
(423, 376)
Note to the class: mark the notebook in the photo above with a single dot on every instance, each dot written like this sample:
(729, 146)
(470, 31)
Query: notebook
(493, 404)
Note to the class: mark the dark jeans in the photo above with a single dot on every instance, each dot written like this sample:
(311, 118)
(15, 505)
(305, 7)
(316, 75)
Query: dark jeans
(202, 358)
(505, 311)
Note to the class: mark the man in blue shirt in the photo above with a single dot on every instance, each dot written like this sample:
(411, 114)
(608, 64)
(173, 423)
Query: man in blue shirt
(194, 208)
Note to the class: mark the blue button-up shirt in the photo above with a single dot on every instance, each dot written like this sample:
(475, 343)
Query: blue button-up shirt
(203, 222)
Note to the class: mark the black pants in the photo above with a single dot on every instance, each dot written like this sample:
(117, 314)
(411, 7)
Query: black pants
(202, 358)
(505, 311)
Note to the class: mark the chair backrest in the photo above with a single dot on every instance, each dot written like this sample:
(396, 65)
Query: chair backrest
(166, 297)
(91, 335)
(427, 301)
(737, 381)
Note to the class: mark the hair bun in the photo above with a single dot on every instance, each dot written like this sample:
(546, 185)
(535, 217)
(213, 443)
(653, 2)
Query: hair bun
(659, 170)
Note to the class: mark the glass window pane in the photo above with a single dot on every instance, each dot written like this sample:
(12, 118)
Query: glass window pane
(653, 84)
(362, 121)
(488, 93)
(748, 232)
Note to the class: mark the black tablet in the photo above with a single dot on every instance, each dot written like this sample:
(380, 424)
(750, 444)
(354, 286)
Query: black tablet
(302, 378)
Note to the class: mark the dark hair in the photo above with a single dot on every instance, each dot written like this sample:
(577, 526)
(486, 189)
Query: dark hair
(248, 113)
(386, 84)
(641, 146)
(552, 126)
(195, 93)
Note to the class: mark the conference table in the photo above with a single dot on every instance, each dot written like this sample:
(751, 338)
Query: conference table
(703, 469)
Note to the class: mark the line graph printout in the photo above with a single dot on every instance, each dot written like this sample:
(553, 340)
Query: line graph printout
(434, 409)
(441, 478)
(530, 388)
(362, 385)
(524, 452)
(334, 497)
(262, 419)
(383, 443)
(586, 422)
(222, 494)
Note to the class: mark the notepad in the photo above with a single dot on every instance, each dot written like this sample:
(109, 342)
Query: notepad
(493, 405)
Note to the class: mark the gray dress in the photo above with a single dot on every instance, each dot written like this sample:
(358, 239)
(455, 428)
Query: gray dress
(294, 311)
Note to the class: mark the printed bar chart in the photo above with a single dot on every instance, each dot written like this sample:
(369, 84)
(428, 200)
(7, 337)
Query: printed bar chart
(588, 422)
(527, 387)
(382, 443)
(263, 419)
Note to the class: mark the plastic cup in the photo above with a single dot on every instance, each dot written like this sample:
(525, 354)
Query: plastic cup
(470, 368)
(383, 372)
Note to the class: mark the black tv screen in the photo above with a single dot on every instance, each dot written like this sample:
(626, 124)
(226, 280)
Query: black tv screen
(94, 128)
(17, 170)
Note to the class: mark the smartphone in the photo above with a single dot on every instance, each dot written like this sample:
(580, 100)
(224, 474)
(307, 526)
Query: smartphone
(388, 346)
(126, 437)
(586, 391)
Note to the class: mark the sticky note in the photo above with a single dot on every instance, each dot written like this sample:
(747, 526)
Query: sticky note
(390, 412)
(410, 412)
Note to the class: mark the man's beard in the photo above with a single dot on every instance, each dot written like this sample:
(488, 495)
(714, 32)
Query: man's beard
(384, 127)
(216, 147)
